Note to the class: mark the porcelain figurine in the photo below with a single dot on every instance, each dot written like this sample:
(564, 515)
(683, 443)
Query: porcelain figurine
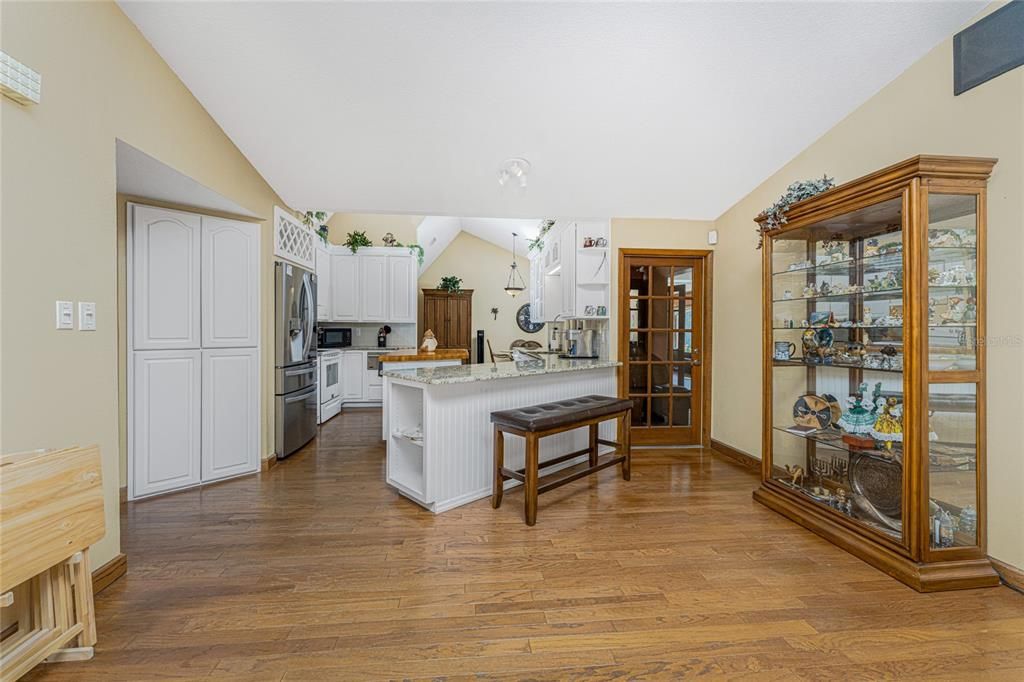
(857, 418)
(888, 428)
(796, 474)
(429, 342)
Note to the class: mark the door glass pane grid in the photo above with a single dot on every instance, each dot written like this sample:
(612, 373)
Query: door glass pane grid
(661, 328)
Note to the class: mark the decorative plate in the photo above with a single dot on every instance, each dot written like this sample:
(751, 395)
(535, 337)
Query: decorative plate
(825, 337)
(812, 410)
(834, 408)
(523, 320)
(879, 480)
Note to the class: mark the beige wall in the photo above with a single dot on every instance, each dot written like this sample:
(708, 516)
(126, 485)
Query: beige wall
(483, 268)
(646, 233)
(102, 81)
(375, 225)
(915, 114)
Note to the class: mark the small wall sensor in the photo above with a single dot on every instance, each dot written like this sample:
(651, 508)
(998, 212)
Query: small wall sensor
(712, 237)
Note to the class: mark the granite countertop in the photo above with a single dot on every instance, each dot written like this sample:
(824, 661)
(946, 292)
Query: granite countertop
(463, 374)
(414, 355)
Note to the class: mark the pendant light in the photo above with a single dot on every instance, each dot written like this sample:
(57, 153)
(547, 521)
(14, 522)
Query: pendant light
(515, 283)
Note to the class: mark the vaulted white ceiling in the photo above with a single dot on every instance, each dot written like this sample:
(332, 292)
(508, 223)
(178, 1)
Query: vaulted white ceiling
(631, 109)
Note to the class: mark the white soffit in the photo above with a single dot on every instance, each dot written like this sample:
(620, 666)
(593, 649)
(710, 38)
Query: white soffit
(638, 109)
(140, 175)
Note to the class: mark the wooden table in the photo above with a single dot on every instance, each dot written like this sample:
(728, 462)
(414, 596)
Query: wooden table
(51, 511)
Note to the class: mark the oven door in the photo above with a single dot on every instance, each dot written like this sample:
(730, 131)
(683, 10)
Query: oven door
(330, 378)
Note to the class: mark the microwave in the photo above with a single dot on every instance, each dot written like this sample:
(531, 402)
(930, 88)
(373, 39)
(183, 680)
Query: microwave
(334, 337)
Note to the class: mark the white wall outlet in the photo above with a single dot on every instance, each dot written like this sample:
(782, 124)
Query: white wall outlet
(712, 237)
(65, 315)
(86, 316)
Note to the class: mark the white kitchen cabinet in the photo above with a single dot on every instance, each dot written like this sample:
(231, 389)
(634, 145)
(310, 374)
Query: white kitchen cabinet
(537, 289)
(353, 366)
(230, 442)
(373, 382)
(165, 427)
(165, 291)
(344, 287)
(373, 288)
(323, 284)
(567, 247)
(401, 288)
(230, 283)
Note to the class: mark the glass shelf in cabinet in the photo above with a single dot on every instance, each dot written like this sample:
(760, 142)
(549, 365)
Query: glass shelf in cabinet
(833, 438)
(877, 294)
(796, 362)
(877, 263)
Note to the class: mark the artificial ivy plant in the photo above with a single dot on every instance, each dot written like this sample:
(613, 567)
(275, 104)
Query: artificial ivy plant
(774, 217)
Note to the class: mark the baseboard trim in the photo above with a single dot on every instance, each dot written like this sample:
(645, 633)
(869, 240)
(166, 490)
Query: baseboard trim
(744, 459)
(1012, 576)
(106, 574)
(268, 464)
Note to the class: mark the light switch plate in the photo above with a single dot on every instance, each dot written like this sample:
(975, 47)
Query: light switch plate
(86, 316)
(65, 315)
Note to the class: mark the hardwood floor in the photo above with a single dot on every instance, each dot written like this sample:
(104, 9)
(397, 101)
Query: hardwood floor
(316, 570)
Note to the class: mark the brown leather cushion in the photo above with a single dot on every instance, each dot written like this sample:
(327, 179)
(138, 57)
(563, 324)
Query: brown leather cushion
(562, 413)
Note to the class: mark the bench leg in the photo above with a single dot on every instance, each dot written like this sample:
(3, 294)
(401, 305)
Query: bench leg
(532, 464)
(499, 462)
(627, 420)
(593, 445)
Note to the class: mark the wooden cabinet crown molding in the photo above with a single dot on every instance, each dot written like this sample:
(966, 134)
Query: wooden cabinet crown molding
(886, 180)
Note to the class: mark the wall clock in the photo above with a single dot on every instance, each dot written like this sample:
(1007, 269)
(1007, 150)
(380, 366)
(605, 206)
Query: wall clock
(523, 320)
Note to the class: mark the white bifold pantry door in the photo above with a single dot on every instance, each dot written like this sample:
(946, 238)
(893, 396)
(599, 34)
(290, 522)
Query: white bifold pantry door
(230, 412)
(165, 420)
(194, 349)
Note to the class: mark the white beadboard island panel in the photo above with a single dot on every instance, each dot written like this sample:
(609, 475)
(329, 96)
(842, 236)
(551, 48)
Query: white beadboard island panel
(453, 465)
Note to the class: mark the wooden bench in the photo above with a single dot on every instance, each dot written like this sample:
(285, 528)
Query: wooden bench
(537, 421)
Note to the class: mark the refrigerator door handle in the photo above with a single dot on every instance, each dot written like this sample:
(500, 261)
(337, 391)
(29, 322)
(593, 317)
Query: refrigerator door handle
(298, 398)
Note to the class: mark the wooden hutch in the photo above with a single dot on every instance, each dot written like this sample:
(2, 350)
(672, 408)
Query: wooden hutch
(874, 376)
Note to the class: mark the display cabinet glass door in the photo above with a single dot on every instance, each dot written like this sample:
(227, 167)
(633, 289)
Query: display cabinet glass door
(837, 303)
(664, 366)
(955, 363)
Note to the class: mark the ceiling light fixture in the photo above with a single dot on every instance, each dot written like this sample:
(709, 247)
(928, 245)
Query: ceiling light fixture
(515, 284)
(517, 168)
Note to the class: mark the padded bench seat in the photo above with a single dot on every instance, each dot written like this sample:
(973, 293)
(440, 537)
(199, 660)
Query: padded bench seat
(553, 415)
(536, 421)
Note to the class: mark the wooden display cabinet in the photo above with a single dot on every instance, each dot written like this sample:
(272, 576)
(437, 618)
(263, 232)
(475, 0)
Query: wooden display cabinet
(876, 288)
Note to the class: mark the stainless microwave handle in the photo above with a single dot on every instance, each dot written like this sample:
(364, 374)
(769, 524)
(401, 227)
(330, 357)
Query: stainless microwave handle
(302, 396)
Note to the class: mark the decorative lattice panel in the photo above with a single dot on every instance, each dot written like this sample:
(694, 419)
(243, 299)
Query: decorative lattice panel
(293, 241)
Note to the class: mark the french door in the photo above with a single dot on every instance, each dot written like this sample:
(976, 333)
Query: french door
(662, 315)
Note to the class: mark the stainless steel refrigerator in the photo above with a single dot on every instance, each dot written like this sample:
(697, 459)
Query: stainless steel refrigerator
(295, 368)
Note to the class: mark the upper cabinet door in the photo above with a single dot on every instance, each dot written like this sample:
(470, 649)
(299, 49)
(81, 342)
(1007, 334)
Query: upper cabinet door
(323, 285)
(231, 283)
(344, 287)
(568, 250)
(165, 278)
(231, 420)
(373, 283)
(402, 272)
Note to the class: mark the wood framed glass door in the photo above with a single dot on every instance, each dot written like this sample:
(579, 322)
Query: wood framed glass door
(661, 345)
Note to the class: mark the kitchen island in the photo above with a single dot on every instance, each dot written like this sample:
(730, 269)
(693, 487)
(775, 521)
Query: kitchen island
(438, 430)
